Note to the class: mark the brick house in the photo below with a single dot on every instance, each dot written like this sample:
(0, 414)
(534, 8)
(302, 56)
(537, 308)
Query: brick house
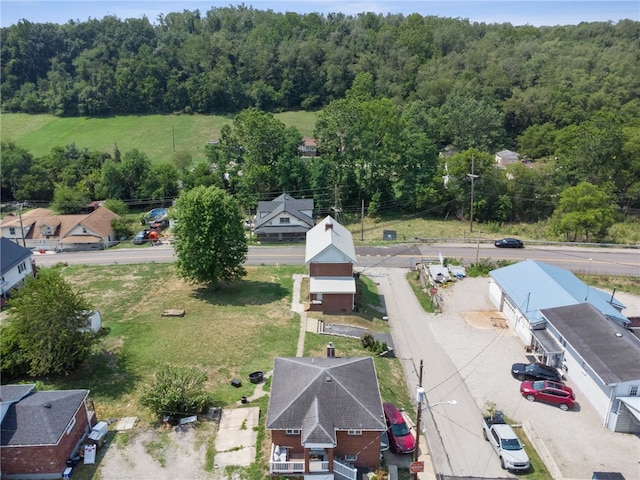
(330, 255)
(41, 430)
(325, 417)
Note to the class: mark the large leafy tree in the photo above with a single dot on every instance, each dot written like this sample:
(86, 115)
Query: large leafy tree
(210, 242)
(16, 163)
(44, 335)
(177, 390)
(585, 211)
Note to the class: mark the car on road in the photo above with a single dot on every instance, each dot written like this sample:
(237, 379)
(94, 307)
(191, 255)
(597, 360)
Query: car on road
(545, 391)
(401, 440)
(509, 243)
(535, 371)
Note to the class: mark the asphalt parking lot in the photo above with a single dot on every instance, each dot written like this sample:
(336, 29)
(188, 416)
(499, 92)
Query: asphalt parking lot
(574, 443)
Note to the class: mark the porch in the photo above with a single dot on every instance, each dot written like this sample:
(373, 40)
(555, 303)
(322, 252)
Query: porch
(282, 462)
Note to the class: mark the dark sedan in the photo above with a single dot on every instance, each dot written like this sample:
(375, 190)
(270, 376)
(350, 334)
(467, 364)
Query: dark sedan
(509, 243)
(535, 371)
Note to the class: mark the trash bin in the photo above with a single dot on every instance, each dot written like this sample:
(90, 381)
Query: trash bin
(67, 472)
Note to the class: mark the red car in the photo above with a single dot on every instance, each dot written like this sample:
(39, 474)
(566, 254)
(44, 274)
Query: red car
(555, 393)
(401, 440)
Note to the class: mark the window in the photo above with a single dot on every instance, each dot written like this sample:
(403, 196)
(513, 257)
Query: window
(292, 431)
(285, 220)
(351, 457)
(84, 229)
(12, 231)
(22, 267)
(633, 391)
(354, 431)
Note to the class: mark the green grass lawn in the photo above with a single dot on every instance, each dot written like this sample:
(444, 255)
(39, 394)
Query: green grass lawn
(228, 332)
(156, 135)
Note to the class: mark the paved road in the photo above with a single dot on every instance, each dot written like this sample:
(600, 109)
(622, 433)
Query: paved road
(580, 260)
(455, 442)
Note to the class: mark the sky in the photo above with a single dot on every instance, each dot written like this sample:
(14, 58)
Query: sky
(517, 12)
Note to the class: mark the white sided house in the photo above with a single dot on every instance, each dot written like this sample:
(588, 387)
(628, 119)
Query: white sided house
(283, 219)
(602, 358)
(15, 265)
(578, 329)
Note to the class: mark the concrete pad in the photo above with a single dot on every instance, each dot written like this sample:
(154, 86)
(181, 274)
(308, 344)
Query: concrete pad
(236, 439)
(126, 423)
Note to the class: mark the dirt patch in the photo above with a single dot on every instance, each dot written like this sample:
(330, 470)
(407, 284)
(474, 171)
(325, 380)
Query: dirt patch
(487, 320)
(180, 452)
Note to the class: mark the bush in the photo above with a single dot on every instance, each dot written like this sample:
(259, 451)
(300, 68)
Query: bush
(177, 390)
(367, 341)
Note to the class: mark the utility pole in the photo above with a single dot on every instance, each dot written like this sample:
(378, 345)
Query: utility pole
(24, 243)
(419, 399)
(472, 177)
(336, 207)
(362, 225)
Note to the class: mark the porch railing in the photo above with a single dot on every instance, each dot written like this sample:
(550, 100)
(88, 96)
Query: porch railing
(282, 464)
(344, 472)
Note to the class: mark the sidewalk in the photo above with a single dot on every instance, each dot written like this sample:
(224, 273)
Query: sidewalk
(423, 452)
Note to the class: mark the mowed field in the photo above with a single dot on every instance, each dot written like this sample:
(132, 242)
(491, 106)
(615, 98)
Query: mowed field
(159, 136)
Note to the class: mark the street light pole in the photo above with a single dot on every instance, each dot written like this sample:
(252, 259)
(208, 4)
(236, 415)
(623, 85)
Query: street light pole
(419, 399)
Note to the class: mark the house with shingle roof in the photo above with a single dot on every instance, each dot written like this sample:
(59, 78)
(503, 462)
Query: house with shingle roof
(41, 430)
(40, 228)
(331, 256)
(15, 265)
(325, 416)
(283, 219)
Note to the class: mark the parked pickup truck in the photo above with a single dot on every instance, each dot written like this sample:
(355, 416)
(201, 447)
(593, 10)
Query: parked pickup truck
(505, 442)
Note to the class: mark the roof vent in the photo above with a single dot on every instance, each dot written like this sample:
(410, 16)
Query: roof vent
(327, 379)
(328, 226)
(47, 405)
(618, 334)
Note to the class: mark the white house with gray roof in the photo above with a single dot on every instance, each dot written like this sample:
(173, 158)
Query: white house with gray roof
(602, 359)
(578, 329)
(283, 218)
(15, 265)
(325, 416)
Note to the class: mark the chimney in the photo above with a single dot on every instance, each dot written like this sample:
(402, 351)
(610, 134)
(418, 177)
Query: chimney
(328, 226)
(331, 351)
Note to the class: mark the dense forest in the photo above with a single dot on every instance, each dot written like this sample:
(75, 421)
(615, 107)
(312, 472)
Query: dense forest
(392, 94)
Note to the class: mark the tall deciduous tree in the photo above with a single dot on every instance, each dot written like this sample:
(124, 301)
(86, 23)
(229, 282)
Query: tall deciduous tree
(585, 211)
(44, 335)
(210, 242)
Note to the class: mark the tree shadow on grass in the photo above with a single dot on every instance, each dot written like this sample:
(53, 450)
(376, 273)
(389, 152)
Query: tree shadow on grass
(106, 373)
(243, 292)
